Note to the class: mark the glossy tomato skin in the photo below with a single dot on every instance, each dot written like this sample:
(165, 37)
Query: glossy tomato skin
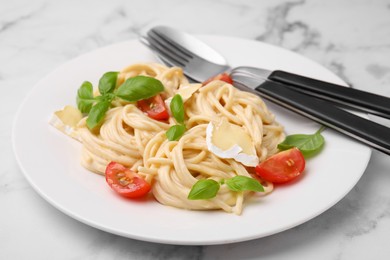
(154, 107)
(125, 182)
(282, 167)
(223, 76)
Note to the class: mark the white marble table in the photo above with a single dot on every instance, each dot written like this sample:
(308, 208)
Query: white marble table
(351, 38)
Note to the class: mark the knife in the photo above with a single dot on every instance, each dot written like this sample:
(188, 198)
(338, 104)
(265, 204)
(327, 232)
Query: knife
(344, 96)
(178, 49)
(321, 111)
(201, 62)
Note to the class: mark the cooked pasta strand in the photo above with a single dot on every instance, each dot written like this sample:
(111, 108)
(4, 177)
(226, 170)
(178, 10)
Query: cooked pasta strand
(130, 137)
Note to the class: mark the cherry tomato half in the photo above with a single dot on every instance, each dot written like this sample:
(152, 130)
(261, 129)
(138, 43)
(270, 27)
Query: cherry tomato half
(125, 182)
(223, 76)
(282, 167)
(154, 107)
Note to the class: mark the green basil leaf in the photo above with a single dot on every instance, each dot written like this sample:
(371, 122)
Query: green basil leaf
(243, 183)
(204, 189)
(107, 82)
(309, 144)
(139, 88)
(85, 97)
(84, 105)
(177, 108)
(107, 97)
(97, 113)
(175, 132)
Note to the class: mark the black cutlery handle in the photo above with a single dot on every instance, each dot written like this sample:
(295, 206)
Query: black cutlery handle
(358, 99)
(361, 129)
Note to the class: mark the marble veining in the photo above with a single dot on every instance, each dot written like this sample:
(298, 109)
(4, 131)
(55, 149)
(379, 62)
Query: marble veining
(351, 38)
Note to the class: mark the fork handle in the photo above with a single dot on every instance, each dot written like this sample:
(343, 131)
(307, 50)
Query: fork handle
(324, 112)
(361, 100)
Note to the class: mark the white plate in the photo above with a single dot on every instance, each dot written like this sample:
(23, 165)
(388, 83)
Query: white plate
(50, 160)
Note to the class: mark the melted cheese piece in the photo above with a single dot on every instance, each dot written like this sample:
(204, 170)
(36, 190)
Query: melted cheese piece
(227, 140)
(66, 121)
(185, 92)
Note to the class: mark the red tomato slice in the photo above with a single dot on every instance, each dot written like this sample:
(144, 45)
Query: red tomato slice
(223, 76)
(125, 182)
(154, 107)
(282, 167)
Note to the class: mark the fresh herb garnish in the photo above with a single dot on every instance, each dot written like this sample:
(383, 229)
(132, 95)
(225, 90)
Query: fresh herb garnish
(204, 189)
(207, 188)
(308, 144)
(97, 113)
(243, 183)
(139, 88)
(175, 132)
(85, 99)
(177, 108)
(107, 82)
(133, 89)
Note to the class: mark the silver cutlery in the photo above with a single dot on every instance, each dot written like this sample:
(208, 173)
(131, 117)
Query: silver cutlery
(200, 62)
(184, 50)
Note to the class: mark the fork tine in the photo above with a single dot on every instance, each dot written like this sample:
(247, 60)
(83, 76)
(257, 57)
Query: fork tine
(172, 45)
(161, 57)
(173, 52)
(163, 48)
(165, 54)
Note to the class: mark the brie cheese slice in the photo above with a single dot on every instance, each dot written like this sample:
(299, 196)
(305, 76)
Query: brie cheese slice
(66, 121)
(228, 140)
(185, 92)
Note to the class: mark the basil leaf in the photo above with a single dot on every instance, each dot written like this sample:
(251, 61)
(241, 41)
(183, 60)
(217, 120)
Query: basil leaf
(203, 190)
(107, 97)
(97, 113)
(175, 132)
(85, 97)
(309, 144)
(243, 183)
(107, 82)
(177, 108)
(139, 88)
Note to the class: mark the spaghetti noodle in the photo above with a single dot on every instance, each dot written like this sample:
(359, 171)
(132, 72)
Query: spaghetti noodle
(128, 136)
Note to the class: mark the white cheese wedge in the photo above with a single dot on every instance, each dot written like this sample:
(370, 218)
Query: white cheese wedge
(66, 121)
(185, 92)
(227, 140)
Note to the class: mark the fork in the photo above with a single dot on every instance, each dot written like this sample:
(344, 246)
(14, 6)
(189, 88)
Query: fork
(197, 66)
(173, 54)
(183, 50)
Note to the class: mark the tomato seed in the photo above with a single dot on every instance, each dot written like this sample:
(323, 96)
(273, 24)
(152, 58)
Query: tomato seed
(290, 162)
(124, 181)
(120, 175)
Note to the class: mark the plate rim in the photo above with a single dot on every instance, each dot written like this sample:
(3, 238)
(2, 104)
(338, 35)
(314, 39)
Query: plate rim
(155, 240)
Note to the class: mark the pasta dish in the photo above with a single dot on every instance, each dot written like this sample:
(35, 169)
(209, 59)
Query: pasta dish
(223, 133)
